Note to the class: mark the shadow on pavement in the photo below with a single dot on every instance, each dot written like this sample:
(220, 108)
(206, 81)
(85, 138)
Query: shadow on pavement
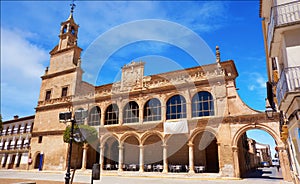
(261, 173)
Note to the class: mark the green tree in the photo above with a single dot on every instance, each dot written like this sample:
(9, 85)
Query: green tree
(89, 134)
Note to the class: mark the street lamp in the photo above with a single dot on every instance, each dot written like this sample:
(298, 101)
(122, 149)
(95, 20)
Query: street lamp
(269, 110)
(67, 117)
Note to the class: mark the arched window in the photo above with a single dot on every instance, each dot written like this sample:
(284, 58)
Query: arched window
(65, 29)
(152, 110)
(131, 112)
(79, 117)
(112, 115)
(176, 107)
(202, 104)
(94, 119)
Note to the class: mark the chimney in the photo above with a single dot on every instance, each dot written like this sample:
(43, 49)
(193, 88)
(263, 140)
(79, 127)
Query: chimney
(16, 117)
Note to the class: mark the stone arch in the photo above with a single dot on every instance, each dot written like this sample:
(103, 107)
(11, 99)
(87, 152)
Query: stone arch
(131, 149)
(168, 96)
(271, 131)
(206, 149)
(110, 145)
(128, 134)
(106, 105)
(178, 150)
(106, 136)
(202, 89)
(152, 144)
(198, 130)
(147, 98)
(150, 133)
(241, 131)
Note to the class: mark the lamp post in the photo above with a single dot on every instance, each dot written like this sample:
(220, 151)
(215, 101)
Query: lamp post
(269, 110)
(67, 117)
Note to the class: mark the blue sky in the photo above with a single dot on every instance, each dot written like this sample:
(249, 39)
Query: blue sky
(29, 30)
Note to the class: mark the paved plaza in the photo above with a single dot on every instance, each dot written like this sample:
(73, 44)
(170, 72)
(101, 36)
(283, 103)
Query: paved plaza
(261, 176)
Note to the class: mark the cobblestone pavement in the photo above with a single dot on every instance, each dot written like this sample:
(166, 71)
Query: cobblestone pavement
(47, 177)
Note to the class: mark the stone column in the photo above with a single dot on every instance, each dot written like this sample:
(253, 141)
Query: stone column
(141, 158)
(191, 158)
(141, 113)
(284, 163)
(121, 147)
(165, 158)
(84, 156)
(163, 113)
(220, 159)
(101, 160)
(120, 115)
(102, 118)
(188, 110)
(236, 161)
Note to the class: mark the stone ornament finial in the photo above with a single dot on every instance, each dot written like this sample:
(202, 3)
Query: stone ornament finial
(218, 58)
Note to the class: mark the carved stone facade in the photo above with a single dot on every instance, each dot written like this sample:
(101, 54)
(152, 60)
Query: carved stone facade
(190, 120)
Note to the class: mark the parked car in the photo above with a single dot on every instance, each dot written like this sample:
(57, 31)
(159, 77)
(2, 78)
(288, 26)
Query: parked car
(275, 162)
(265, 164)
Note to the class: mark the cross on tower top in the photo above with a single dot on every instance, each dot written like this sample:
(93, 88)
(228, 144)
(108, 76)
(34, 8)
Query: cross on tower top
(73, 5)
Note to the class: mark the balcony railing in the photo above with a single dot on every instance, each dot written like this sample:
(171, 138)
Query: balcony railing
(289, 81)
(281, 15)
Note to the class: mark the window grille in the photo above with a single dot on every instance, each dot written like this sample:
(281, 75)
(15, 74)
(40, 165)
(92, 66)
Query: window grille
(176, 107)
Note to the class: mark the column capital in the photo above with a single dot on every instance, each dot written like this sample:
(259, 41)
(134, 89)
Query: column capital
(85, 146)
(141, 146)
(164, 145)
(190, 144)
(234, 148)
(121, 147)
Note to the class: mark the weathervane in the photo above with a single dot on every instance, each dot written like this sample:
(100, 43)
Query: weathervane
(72, 6)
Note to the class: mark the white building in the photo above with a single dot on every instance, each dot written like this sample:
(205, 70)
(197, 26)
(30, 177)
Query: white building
(15, 142)
(281, 28)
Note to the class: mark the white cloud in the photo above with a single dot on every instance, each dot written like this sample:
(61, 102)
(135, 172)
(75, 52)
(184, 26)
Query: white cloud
(21, 68)
(256, 82)
(153, 30)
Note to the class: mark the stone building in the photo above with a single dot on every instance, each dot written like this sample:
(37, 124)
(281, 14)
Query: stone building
(254, 158)
(15, 143)
(281, 29)
(264, 152)
(189, 120)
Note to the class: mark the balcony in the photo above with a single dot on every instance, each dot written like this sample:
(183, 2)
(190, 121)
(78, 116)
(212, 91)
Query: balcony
(283, 15)
(288, 85)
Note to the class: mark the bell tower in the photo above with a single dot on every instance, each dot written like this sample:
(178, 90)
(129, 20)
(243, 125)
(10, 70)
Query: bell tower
(68, 32)
(66, 54)
(64, 74)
